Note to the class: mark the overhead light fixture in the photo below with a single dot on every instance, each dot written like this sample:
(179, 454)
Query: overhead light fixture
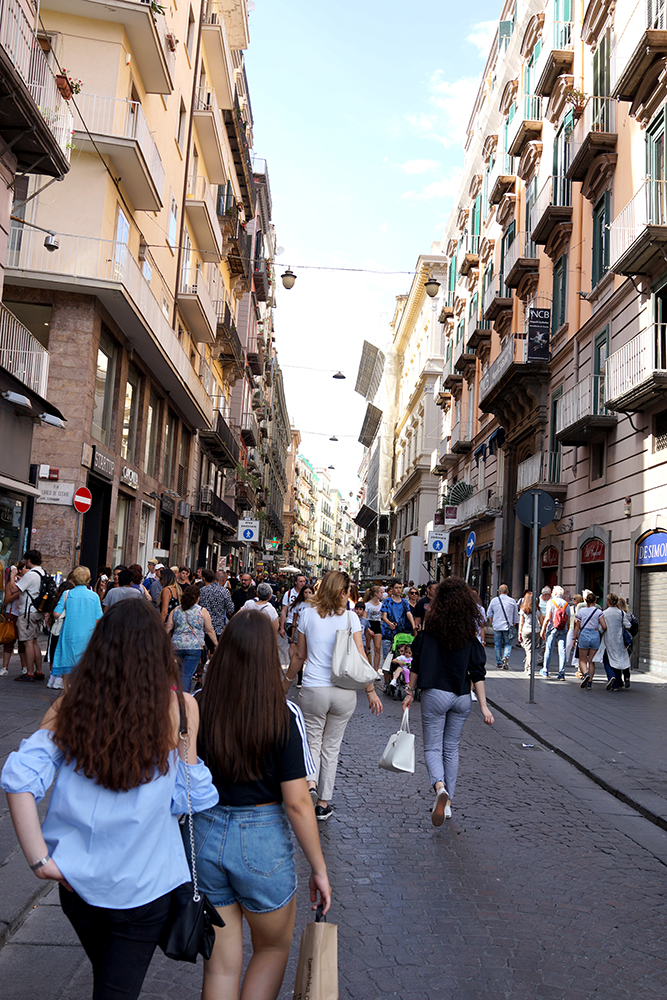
(288, 278)
(52, 421)
(431, 286)
(333, 438)
(17, 399)
(51, 243)
(330, 467)
(339, 375)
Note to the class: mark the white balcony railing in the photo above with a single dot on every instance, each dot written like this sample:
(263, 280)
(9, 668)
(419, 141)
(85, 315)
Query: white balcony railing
(110, 262)
(199, 189)
(21, 354)
(545, 467)
(636, 362)
(462, 429)
(586, 399)
(17, 38)
(207, 101)
(647, 208)
(529, 109)
(496, 290)
(555, 191)
(630, 23)
(522, 247)
(599, 116)
(483, 502)
(514, 352)
(123, 120)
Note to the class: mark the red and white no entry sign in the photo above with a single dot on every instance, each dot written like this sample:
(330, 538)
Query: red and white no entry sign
(82, 499)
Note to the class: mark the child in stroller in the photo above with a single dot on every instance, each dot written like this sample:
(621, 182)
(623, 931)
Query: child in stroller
(398, 668)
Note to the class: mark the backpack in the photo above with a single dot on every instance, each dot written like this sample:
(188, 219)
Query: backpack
(46, 599)
(560, 618)
(634, 625)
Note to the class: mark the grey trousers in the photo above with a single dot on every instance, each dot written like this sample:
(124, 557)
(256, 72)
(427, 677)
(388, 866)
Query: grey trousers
(443, 718)
(327, 711)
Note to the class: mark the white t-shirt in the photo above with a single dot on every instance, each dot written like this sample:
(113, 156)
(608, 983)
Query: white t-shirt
(589, 617)
(320, 636)
(29, 585)
(267, 609)
(288, 598)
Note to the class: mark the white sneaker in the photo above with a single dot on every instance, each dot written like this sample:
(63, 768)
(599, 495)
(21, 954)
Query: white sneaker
(393, 683)
(55, 682)
(3, 671)
(448, 811)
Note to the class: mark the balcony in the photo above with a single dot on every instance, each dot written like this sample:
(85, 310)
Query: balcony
(477, 333)
(107, 270)
(636, 375)
(443, 459)
(261, 279)
(581, 413)
(502, 179)
(203, 218)
(481, 506)
(246, 497)
(462, 358)
(228, 347)
(470, 258)
(515, 352)
(556, 57)
(218, 53)
(526, 124)
(119, 129)
(497, 299)
(21, 354)
(195, 303)
(238, 141)
(447, 306)
(553, 207)
(639, 232)
(593, 134)
(521, 259)
(209, 504)
(543, 470)
(33, 115)
(249, 430)
(450, 378)
(208, 123)
(462, 431)
(152, 44)
(640, 42)
(221, 443)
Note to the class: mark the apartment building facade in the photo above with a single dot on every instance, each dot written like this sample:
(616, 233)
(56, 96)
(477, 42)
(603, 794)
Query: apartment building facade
(143, 301)
(554, 325)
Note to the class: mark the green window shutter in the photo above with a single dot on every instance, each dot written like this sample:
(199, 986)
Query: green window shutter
(606, 221)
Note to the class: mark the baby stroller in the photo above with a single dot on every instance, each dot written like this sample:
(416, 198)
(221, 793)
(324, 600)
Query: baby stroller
(395, 688)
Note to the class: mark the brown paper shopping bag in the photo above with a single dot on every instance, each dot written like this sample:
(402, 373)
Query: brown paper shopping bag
(317, 971)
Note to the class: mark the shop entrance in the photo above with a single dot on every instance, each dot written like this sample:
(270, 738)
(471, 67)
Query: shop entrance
(592, 566)
(549, 563)
(95, 536)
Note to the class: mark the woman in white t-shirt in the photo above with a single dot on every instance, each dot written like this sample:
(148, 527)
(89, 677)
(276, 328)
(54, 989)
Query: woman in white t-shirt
(374, 615)
(326, 709)
(588, 624)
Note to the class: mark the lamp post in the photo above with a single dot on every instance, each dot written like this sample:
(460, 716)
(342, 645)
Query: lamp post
(431, 286)
(288, 278)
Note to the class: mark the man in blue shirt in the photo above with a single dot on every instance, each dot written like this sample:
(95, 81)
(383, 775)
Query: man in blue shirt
(396, 615)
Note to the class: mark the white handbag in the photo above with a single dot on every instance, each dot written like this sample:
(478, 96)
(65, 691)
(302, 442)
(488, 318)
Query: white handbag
(349, 668)
(57, 626)
(399, 753)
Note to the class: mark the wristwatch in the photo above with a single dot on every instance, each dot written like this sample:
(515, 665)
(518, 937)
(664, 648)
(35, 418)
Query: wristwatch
(41, 863)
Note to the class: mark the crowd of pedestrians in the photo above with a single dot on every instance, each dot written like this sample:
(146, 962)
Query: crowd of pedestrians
(126, 738)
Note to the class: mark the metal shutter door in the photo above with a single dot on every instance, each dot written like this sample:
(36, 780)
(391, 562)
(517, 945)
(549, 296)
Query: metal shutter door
(652, 616)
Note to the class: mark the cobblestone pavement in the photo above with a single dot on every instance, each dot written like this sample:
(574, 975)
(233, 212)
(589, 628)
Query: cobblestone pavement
(541, 886)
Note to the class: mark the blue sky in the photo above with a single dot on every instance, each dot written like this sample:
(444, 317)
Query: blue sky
(360, 110)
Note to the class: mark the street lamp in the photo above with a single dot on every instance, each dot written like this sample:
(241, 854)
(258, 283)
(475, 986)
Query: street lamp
(338, 375)
(431, 286)
(333, 438)
(288, 278)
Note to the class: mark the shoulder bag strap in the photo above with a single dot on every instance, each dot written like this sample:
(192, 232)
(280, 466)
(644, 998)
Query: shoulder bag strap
(502, 608)
(588, 619)
(184, 735)
(187, 620)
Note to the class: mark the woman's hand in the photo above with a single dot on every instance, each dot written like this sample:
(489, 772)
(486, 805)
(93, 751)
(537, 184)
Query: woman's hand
(320, 883)
(50, 871)
(374, 703)
(487, 716)
(408, 700)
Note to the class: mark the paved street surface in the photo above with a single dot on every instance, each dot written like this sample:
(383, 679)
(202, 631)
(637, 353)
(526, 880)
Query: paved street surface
(543, 885)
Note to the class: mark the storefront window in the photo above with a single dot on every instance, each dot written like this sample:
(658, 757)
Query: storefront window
(130, 407)
(103, 398)
(151, 435)
(12, 542)
(120, 530)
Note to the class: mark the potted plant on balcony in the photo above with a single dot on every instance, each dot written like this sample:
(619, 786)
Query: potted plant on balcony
(577, 99)
(68, 85)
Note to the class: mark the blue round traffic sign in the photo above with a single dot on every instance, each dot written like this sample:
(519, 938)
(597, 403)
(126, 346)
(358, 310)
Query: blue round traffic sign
(437, 545)
(470, 544)
(248, 533)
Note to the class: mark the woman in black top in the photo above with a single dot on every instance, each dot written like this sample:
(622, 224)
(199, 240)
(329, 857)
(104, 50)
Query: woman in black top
(446, 656)
(254, 744)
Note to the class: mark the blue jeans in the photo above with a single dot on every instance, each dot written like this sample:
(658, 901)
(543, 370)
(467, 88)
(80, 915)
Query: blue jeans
(443, 718)
(559, 636)
(502, 645)
(189, 659)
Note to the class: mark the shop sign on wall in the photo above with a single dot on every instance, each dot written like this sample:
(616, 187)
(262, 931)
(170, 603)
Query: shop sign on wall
(652, 550)
(593, 551)
(58, 493)
(550, 557)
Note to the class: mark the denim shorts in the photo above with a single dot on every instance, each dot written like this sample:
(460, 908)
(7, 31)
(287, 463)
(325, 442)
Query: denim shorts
(589, 638)
(245, 855)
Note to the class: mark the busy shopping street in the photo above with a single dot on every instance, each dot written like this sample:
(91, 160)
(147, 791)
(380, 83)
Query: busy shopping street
(543, 884)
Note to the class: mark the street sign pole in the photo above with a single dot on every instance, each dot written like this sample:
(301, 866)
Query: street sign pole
(77, 547)
(247, 557)
(533, 642)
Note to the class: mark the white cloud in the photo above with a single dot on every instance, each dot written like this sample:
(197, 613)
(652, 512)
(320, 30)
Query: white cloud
(481, 36)
(418, 166)
(451, 104)
(446, 188)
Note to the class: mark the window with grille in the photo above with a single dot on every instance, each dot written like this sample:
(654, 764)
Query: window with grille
(661, 431)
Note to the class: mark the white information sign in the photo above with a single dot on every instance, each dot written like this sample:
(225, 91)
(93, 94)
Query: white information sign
(438, 541)
(248, 531)
(58, 493)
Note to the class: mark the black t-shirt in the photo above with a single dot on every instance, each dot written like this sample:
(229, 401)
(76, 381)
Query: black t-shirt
(420, 610)
(444, 669)
(240, 596)
(286, 763)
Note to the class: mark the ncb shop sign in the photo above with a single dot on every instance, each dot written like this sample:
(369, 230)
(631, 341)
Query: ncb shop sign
(652, 550)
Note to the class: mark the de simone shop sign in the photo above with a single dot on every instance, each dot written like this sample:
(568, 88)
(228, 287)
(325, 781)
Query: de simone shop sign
(652, 550)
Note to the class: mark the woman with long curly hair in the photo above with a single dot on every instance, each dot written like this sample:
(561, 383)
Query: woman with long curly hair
(253, 741)
(446, 657)
(327, 709)
(111, 836)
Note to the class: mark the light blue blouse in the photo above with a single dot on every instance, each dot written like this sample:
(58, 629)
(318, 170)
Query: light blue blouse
(116, 849)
